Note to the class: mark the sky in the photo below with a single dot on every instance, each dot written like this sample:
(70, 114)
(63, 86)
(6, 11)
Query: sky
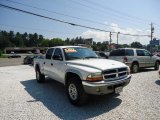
(124, 16)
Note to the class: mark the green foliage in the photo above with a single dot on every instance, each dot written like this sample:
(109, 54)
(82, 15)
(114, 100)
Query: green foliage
(56, 42)
(0, 52)
(11, 39)
(136, 45)
(45, 43)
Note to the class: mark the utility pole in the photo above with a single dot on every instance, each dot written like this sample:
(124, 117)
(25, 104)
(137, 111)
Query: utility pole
(117, 39)
(152, 31)
(110, 34)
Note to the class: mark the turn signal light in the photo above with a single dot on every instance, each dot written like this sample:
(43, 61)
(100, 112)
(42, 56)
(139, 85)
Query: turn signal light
(94, 77)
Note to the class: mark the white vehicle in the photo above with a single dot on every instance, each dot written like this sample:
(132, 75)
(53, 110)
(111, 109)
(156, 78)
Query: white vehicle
(135, 58)
(82, 72)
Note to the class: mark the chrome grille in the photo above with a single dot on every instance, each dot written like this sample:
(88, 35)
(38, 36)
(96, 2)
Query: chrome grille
(114, 73)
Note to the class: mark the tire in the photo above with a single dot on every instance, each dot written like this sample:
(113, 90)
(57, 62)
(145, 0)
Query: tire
(134, 68)
(75, 92)
(40, 77)
(156, 66)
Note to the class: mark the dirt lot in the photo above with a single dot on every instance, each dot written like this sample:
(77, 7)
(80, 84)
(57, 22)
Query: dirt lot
(22, 98)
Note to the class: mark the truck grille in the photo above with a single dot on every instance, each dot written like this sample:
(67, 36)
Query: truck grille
(114, 73)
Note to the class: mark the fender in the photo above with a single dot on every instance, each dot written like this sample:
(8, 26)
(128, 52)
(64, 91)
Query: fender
(74, 71)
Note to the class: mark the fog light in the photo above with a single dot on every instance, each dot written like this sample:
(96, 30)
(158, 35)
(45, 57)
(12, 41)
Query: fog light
(98, 90)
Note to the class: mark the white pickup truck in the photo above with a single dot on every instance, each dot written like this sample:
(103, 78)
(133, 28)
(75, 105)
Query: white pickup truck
(82, 72)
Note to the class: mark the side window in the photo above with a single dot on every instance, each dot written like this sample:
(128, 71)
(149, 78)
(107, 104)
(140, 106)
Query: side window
(57, 53)
(129, 52)
(121, 52)
(114, 53)
(49, 53)
(146, 53)
(140, 52)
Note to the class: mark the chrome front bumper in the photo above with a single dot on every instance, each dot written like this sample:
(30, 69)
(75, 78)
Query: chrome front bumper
(105, 87)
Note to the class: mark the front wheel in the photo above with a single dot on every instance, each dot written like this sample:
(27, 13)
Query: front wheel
(40, 77)
(156, 67)
(75, 92)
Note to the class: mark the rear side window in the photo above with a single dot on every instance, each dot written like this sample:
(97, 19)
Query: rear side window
(140, 52)
(129, 52)
(146, 53)
(58, 52)
(120, 52)
(49, 53)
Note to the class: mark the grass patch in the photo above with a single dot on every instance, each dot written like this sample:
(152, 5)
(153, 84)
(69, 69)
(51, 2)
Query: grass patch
(3, 56)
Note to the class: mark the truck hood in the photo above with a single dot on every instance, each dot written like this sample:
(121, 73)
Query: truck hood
(100, 64)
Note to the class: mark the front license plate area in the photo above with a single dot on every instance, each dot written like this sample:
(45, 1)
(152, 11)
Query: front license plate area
(118, 89)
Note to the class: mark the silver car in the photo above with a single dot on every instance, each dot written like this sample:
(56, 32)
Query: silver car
(135, 58)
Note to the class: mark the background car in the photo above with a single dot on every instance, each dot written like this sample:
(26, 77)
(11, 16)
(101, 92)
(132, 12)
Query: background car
(135, 58)
(14, 55)
(29, 59)
(101, 54)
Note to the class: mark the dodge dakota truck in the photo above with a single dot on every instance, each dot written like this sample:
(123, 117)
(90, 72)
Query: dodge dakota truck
(82, 72)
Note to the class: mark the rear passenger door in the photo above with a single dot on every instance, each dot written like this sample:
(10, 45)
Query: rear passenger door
(141, 58)
(58, 65)
(149, 59)
(47, 61)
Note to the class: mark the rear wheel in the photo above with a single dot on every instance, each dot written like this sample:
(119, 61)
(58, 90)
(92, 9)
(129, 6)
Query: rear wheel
(75, 91)
(156, 66)
(134, 68)
(40, 77)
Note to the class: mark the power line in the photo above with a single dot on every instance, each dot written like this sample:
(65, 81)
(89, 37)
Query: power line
(21, 27)
(61, 21)
(58, 13)
(113, 10)
(102, 11)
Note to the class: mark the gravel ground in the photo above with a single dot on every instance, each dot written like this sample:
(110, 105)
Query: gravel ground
(22, 98)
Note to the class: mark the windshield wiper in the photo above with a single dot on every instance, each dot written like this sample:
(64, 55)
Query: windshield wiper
(90, 57)
(72, 57)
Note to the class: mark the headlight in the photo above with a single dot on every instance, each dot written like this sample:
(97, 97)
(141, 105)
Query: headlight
(93, 77)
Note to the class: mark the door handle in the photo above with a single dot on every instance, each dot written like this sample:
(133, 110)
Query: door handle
(52, 64)
(44, 63)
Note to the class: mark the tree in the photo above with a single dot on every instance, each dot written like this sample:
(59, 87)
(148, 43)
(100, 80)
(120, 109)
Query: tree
(136, 45)
(67, 41)
(25, 39)
(11, 38)
(45, 43)
(40, 39)
(4, 40)
(18, 40)
(56, 42)
(35, 39)
(31, 40)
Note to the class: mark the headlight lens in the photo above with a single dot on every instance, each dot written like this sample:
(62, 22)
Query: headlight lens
(93, 77)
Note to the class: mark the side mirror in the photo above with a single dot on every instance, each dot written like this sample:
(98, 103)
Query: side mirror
(57, 57)
(151, 55)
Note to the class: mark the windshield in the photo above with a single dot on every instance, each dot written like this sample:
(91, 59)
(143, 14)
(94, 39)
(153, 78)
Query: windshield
(78, 53)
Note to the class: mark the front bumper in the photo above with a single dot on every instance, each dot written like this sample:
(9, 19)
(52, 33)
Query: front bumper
(105, 87)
